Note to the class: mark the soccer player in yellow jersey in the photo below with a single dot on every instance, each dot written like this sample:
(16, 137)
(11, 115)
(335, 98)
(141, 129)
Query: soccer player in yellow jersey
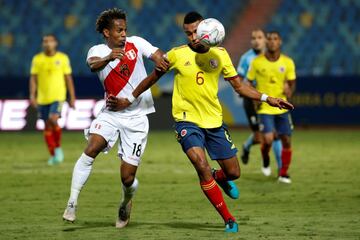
(49, 80)
(198, 114)
(274, 74)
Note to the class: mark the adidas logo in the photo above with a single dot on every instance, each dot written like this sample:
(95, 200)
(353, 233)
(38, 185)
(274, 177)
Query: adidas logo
(187, 63)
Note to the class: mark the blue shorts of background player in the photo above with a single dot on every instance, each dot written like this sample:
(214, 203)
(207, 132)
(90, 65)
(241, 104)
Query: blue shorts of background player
(216, 141)
(281, 123)
(45, 111)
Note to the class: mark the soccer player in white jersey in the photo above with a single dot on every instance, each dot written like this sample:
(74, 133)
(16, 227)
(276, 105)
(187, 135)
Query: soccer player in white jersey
(119, 66)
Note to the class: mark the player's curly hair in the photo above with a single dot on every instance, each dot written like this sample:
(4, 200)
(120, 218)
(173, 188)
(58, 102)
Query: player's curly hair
(105, 19)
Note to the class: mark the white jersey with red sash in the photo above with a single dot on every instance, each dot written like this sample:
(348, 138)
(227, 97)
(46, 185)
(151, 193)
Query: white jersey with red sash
(121, 77)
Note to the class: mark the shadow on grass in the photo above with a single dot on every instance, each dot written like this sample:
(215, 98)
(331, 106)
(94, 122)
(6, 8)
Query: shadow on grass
(70, 227)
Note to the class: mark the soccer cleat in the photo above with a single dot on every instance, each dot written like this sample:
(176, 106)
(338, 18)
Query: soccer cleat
(231, 226)
(51, 161)
(69, 213)
(245, 155)
(229, 187)
(59, 155)
(124, 216)
(284, 179)
(266, 171)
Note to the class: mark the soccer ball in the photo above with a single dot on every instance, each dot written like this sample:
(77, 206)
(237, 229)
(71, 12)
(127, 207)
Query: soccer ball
(210, 32)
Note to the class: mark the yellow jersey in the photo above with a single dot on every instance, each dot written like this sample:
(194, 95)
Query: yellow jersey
(50, 71)
(270, 78)
(195, 95)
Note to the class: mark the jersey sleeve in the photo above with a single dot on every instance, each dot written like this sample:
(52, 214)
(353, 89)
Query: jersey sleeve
(34, 69)
(290, 73)
(251, 72)
(67, 67)
(147, 48)
(228, 68)
(93, 52)
(242, 66)
(171, 56)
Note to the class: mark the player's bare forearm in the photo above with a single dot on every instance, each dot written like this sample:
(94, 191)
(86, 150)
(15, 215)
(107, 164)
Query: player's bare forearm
(117, 104)
(161, 63)
(250, 92)
(32, 90)
(147, 82)
(97, 63)
(289, 88)
(71, 89)
(245, 90)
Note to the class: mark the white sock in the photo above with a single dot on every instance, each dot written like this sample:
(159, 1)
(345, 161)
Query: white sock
(129, 192)
(81, 173)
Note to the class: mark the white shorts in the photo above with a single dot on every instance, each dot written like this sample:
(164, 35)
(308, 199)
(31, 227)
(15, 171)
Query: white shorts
(132, 133)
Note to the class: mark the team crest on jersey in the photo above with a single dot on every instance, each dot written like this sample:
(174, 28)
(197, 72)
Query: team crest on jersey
(213, 63)
(183, 133)
(131, 54)
(57, 62)
(282, 69)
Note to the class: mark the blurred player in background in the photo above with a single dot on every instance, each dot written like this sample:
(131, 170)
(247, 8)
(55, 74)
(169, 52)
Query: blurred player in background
(274, 74)
(258, 43)
(49, 80)
(198, 114)
(120, 67)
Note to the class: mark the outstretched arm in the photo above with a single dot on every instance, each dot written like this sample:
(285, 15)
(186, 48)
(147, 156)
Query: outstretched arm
(250, 92)
(117, 104)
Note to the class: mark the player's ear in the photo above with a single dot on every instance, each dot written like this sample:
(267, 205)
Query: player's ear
(106, 32)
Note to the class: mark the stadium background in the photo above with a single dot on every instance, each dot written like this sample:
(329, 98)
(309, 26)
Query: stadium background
(321, 36)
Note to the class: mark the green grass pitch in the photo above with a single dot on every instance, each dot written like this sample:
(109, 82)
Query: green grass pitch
(322, 203)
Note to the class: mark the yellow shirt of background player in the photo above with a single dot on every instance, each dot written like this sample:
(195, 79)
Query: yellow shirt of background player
(270, 78)
(50, 71)
(196, 84)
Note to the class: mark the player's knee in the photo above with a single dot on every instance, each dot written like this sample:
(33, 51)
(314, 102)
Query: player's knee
(127, 179)
(92, 150)
(233, 173)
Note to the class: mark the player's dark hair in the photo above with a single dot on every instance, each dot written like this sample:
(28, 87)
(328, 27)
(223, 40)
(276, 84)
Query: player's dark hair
(192, 17)
(274, 32)
(105, 19)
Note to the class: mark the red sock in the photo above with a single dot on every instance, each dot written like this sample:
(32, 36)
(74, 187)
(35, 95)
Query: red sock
(220, 176)
(50, 141)
(213, 193)
(285, 159)
(265, 150)
(57, 136)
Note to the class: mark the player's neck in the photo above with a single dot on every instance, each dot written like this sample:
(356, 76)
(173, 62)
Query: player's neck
(199, 49)
(272, 56)
(50, 53)
(258, 51)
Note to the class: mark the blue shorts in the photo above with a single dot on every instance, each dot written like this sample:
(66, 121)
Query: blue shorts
(45, 111)
(281, 123)
(217, 141)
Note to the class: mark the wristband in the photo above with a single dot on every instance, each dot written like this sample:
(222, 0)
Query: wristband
(264, 97)
(131, 98)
